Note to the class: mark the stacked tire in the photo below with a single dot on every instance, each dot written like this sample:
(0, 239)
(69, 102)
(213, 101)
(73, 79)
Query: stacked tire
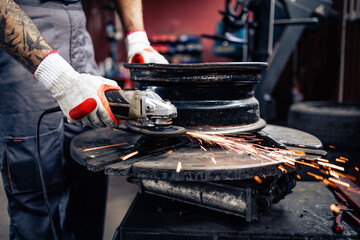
(335, 124)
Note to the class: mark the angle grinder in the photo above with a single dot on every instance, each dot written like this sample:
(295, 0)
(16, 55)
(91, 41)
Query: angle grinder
(145, 111)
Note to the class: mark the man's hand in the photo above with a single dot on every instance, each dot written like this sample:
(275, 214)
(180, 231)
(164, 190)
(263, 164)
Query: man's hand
(139, 49)
(136, 41)
(80, 96)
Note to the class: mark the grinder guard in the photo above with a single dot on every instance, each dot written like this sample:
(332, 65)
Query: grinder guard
(151, 112)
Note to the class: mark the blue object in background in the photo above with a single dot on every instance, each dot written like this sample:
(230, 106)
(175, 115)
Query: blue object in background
(229, 48)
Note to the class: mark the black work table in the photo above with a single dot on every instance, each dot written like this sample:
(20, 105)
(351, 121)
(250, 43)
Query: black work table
(304, 214)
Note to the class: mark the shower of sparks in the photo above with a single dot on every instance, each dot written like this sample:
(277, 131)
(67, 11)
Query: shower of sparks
(243, 145)
(250, 145)
(129, 155)
(106, 146)
(179, 167)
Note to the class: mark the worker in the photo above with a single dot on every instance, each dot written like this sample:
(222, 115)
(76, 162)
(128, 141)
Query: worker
(46, 60)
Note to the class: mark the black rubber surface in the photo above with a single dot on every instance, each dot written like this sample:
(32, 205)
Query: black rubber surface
(335, 124)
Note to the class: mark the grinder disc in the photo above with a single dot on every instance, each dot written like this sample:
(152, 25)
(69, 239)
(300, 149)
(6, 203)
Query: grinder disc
(158, 131)
(164, 131)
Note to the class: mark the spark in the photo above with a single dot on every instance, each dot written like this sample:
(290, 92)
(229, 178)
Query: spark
(331, 184)
(331, 146)
(339, 182)
(179, 167)
(344, 158)
(326, 172)
(322, 159)
(189, 138)
(331, 166)
(258, 179)
(213, 159)
(170, 151)
(315, 176)
(334, 208)
(340, 160)
(96, 148)
(203, 148)
(332, 173)
(298, 176)
(292, 166)
(352, 178)
(129, 155)
(341, 174)
(282, 169)
(357, 169)
(308, 164)
(298, 152)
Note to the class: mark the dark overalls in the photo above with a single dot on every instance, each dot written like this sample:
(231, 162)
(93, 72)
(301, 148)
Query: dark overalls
(77, 197)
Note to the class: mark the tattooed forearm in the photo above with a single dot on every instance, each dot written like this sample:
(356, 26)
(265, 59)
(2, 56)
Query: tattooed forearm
(20, 37)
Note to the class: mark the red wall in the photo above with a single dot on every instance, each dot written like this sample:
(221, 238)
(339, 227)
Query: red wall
(160, 17)
(185, 17)
(97, 16)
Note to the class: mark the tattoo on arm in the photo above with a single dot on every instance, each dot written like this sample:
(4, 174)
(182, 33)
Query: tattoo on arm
(20, 37)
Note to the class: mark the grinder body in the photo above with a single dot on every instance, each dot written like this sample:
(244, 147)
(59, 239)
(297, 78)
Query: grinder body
(150, 114)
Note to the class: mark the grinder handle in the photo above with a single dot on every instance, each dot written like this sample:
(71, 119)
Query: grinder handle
(119, 106)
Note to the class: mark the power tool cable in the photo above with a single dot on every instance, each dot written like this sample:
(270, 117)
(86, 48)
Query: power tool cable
(40, 165)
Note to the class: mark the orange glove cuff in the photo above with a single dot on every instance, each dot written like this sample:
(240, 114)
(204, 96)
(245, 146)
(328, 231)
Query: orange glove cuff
(101, 93)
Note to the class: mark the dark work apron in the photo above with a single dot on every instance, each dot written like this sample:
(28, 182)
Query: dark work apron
(22, 100)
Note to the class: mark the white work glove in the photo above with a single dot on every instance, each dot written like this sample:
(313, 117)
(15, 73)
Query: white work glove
(139, 49)
(80, 96)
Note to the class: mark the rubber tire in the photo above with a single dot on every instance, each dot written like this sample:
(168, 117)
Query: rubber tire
(335, 124)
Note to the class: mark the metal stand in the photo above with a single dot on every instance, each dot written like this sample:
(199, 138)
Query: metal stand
(305, 214)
